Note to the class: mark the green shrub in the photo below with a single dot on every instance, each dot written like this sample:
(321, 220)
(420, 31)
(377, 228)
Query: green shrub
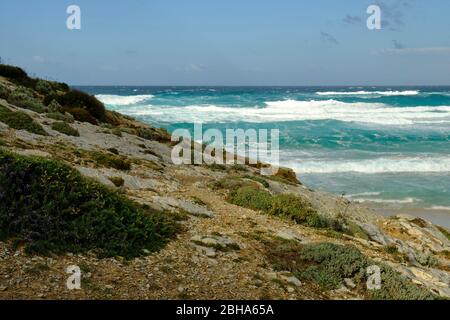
(17, 75)
(113, 150)
(75, 99)
(391, 249)
(12, 72)
(252, 198)
(43, 86)
(117, 132)
(20, 121)
(148, 133)
(81, 115)
(328, 264)
(396, 287)
(22, 98)
(4, 92)
(50, 208)
(257, 179)
(291, 207)
(67, 117)
(54, 106)
(231, 183)
(60, 86)
(111, 161)
(287, 206)
(66, 129)
(444, 231)
(285, 175)
(117, 181)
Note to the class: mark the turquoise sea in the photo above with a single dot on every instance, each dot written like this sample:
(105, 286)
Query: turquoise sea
(384, 146)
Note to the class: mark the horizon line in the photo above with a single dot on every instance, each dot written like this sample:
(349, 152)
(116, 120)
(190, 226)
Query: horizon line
(261, 86)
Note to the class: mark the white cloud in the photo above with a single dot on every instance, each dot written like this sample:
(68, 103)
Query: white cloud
(38, 59)
(426, 50)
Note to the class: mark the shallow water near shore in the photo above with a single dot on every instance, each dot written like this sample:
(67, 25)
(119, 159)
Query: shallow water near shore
(387, 147)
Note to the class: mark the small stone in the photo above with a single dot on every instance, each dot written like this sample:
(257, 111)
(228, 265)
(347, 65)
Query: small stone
(209, 242)
(290, 289)
(181, 289)
(210, 252)
(3, 288)
(349, 283)
(109, 287)
(288, 235)
(272, 275)
(293, 280)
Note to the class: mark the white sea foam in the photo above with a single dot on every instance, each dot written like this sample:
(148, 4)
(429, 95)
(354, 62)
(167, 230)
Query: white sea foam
(371, 166)
(361, 93)
(294, 110)
(442, 208)
(363, 194)
(115, 100)
(391, 201)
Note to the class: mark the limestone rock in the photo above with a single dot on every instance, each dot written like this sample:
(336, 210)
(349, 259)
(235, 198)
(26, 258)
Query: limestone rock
(171, 204)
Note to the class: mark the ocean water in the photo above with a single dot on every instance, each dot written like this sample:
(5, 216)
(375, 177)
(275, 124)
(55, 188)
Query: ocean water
(389, 147)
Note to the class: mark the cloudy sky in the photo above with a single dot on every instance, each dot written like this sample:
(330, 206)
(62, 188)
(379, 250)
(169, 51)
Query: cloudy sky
(232, 42)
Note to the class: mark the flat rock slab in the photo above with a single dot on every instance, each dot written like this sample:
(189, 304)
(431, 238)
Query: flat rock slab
(169, 203)
(217, 242)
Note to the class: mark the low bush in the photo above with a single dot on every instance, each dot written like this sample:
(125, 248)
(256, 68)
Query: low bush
(231, 183)
(291, 207)
(328, 264)
(117, 181)
(11, 72)
(285, 175)
(54, 106)
(50, 208)
(111, 161)
(65, 128)
(4, 92)
(252, 198)
(261, 180)
(114, 150)
(43, 86)
(20, 121)
(17, 75)
(75, 99)
(67, 117)
(117, 132)
(148, 133)
(444, 231)
(23, 98)
(60, 86)
(81, 115)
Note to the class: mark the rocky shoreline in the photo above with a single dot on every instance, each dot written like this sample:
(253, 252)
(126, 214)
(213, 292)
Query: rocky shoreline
(225, 248)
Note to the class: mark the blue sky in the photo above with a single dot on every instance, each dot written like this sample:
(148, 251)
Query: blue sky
(229, 42)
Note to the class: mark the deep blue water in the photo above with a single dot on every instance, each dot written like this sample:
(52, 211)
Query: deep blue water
(382, 145)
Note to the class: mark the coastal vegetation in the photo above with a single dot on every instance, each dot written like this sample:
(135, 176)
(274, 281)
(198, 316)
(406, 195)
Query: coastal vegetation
(65, 128)
(20, 121)
(112, 192)
(328, 265)
(72, 213)
(251, 193)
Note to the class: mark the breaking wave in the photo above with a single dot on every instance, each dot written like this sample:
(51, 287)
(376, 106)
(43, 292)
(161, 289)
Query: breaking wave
(377, 165)
(294, 110)
(361, 93)
(116, 100)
